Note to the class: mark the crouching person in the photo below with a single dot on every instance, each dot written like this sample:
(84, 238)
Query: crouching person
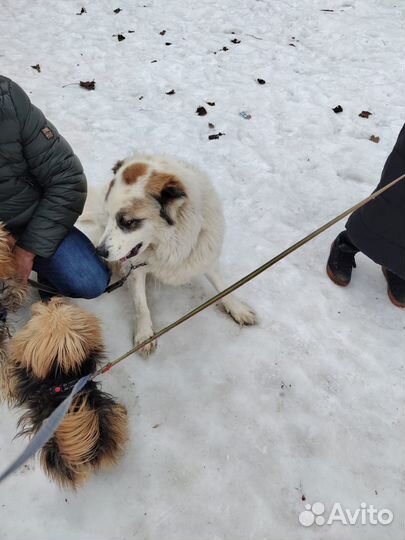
(378, 231)
(42, 193)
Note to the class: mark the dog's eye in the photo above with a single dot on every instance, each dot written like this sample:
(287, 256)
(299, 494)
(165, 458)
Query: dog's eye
(128, 224)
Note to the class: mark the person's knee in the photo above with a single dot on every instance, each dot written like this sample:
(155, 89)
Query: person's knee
(75, 270)
(92, 291)
(89, 287)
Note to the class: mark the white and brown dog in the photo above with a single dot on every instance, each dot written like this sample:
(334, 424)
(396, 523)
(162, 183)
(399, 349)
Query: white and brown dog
(165, 213)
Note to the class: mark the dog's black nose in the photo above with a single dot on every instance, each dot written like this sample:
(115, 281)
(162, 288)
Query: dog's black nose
(102, 251)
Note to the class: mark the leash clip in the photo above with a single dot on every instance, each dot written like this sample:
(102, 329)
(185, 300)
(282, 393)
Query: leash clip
(59, 390)
(121, 281)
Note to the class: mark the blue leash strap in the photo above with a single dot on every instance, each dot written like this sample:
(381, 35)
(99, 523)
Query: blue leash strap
(47, 429)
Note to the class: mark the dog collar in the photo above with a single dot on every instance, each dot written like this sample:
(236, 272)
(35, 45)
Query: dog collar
(59, 391)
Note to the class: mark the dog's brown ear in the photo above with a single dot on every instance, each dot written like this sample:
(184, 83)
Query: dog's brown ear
(169, 192)
(117, 166)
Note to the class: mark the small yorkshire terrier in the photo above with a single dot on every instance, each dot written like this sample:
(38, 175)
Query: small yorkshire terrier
(60, 344)
(38, 368)
(12, 291)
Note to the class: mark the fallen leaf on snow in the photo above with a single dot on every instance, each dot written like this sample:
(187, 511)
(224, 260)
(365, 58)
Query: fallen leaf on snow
(82, 11)
(37, 67)
(210, 125)
(120, 37)
(170, 93)
(337, 109)
(162, 33)
(88, 85)
(211, 103)
(216, 136)
(117, 10)
(201, 111)
(375, 138)
(236, 41)
(365, 114)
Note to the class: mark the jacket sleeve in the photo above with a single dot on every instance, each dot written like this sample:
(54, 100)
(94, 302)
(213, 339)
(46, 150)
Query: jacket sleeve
(58, 173)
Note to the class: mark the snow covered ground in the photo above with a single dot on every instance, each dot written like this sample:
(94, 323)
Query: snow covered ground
(232, 428)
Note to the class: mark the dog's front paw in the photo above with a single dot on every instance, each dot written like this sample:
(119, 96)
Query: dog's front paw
(240, 312)
(148, 349)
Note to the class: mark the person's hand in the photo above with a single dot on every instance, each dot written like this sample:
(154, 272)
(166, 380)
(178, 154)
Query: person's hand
(24, 262)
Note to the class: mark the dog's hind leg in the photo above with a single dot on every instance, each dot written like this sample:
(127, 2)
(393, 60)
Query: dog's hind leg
(238, 310)
(143, 328)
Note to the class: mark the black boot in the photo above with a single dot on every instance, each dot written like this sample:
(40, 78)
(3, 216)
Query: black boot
(396, 288)
(341, 260)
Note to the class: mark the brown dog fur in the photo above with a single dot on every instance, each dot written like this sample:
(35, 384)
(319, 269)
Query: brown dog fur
(58, 334)
(64, 341)
(12, 291)
(7, 263)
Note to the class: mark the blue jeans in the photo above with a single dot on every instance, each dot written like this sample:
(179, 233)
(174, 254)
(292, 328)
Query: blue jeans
(74, 270)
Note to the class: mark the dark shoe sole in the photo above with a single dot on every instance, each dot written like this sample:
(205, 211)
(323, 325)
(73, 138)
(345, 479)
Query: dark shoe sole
(390, 295)
(334, 278)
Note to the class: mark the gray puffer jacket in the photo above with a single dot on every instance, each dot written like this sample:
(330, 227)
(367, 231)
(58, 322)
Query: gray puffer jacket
(42, 184)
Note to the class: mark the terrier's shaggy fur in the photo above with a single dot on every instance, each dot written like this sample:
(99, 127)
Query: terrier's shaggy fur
(12, 291)
(59, 344)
